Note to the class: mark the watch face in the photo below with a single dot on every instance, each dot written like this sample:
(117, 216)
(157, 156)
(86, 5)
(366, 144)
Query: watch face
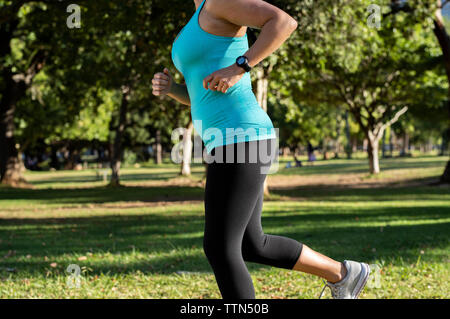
(241, 60)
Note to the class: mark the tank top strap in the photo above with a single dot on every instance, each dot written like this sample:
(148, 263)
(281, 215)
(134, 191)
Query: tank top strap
(200, 7)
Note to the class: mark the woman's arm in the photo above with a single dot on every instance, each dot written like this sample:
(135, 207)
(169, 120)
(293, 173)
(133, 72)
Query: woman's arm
(180, 93)
(275, 24)
(163, 84)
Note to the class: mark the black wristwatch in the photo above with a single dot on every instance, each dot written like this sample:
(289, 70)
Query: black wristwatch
(242, 61)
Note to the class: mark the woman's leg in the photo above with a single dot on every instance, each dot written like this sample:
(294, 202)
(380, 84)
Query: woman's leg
(313, 262)
(284, 252)
(231, 192)
(233, 232)
(272, 250)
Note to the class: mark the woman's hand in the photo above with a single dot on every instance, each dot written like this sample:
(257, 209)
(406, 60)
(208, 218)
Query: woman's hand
(221, 80)
(162, 83)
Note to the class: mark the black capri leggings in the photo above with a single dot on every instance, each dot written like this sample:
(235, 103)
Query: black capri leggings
(233, 205)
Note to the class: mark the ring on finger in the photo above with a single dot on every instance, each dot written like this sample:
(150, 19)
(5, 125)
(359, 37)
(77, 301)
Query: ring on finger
(225, 85)
(220, 86)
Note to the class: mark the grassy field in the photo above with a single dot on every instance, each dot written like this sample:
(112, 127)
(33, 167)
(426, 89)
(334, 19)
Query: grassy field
(144, 240)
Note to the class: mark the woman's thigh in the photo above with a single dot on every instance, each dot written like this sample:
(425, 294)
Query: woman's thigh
(233, 187)
(230, 196)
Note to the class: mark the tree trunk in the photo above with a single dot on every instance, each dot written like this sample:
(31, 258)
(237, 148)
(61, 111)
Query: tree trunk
(365, 143)
(15, 86)
(445, 178)
(73, 157)
(187, 150)
(391, 142)
(262, 84)
(325, 149)
(405, 144)
(54, 161)
(10, 172)
(374, 131)
(444, 42)
(158, 147)
(337, 145)
(443, 145)
(372, 151)
(116, 149)
(349, 147)
(429, 145)
(354, 145)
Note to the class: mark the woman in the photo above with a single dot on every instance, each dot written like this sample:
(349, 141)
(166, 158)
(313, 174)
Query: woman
(212, 53)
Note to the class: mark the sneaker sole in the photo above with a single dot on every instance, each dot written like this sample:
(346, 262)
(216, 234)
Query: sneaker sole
(362, 280)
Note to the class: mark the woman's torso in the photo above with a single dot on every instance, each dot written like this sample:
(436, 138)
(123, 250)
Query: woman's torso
(196, 54)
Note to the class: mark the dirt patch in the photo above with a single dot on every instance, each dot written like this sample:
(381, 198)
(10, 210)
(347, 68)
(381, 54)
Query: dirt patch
(345, 181)
(127, 205)
(177, 182)
(109, 205)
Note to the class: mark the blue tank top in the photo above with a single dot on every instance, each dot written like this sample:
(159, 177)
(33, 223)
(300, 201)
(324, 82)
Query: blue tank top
(219, 118)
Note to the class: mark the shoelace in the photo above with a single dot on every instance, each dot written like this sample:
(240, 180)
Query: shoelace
(335, 291)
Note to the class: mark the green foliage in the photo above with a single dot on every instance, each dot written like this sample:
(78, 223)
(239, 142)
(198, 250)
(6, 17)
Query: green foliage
(332, 58)
(336, 60)
(129, 158)
(78, 94)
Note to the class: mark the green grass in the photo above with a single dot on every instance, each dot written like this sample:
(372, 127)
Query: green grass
(130, 242)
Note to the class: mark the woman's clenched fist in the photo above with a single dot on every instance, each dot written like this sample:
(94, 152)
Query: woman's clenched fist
(162, 83)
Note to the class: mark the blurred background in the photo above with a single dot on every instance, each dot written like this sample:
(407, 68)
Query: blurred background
(360, 95)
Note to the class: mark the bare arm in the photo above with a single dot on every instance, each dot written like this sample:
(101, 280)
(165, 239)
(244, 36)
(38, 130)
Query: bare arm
(275, 24)
(180, 93)
(163, 84)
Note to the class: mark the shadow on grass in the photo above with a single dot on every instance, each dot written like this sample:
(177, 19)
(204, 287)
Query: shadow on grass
(175, 239)
(378, 193)
(360, 166)
(94, 178)
(103, 194)
(96, 195)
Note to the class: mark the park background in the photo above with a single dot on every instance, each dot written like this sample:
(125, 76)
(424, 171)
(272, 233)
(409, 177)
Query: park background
(85, 149)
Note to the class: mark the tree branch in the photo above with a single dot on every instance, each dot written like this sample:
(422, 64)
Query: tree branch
(382, 127)
(36, 65)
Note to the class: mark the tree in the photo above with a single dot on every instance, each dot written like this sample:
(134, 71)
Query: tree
(18, 67)
(187, 150)
(34, 37)
(444, 42)
(417, 13)
(123, 49)
(374, 73)
(142, 43)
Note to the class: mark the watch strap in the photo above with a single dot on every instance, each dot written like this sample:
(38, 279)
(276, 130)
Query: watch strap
(245, 65)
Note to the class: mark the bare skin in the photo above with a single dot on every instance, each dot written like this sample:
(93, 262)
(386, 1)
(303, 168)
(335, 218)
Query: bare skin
(163, 84)
(314, 263)
(221, 18)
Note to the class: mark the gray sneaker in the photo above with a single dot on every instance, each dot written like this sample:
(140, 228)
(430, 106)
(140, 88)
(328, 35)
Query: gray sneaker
(352, 284)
